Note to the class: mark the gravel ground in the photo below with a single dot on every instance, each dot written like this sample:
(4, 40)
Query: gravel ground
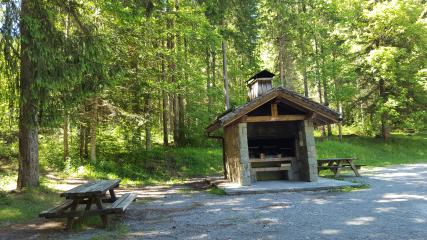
(394, 207)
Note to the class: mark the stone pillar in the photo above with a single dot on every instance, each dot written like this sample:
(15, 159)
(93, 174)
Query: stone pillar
(245, 167)
(307, 151)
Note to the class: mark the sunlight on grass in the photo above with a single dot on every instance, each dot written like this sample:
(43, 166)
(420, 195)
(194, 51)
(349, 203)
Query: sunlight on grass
(376, 152)
(26, 205)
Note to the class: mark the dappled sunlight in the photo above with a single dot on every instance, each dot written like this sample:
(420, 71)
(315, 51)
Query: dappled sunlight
(174, 202)
(330, 232)
(395, 197)
(360, 221)
(385, 209)
(419, 220)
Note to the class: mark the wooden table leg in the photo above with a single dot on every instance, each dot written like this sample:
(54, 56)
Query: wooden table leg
(113, 195)
(103, 216)
(330, 165)
(88, 204)
(337, 173)
(70, 220)
(354, 168)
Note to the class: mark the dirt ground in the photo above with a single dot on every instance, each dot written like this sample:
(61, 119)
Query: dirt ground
(394, 207)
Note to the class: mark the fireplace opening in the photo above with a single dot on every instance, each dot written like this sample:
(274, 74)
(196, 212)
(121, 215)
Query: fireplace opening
(272, 150)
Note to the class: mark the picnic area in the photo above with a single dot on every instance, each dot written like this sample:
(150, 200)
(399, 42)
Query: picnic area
(213, 119)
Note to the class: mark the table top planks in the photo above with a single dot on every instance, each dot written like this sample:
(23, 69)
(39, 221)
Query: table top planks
(335, 159)
(96, 188)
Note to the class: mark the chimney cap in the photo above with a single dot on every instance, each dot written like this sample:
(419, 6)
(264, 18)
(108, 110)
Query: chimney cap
(263, 74)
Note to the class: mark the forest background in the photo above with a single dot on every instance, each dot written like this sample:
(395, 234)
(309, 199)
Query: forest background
(125, 89)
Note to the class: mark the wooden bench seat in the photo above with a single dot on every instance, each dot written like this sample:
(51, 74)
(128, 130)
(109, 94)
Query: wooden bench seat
(121, 204)
(56, 211)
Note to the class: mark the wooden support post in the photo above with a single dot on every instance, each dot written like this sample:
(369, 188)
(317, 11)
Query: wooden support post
(112, 195)
(103, 216)
(70, 220)
(274, 112)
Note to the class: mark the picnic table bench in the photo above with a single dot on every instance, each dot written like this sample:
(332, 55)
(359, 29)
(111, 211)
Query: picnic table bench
(338, 164)
(87, 194)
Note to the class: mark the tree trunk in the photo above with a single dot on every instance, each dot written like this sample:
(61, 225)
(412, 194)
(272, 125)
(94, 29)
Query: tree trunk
(340, 122)
(165, 119)
(28, 173)
(82, 136)
(147, 112)
(224, 71)
(384, 127)
(65, 140)
(325, 91)
(93, 129)
(86, 142)
(181, 122)
(337, 84)
(175, 120)
(318, 79)
(282, 60)
(213, 69)
(303, 53)
(208, 81)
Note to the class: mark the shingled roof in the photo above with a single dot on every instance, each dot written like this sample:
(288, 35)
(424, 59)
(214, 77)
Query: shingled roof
(322, 114)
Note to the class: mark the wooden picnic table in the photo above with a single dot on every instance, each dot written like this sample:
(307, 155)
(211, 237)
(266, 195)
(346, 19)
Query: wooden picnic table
(87, 194)
(337, 164)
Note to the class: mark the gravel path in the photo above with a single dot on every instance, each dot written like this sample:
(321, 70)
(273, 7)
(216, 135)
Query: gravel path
(394, 207)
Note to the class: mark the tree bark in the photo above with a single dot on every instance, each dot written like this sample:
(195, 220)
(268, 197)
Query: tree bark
(282, 60)
(165, 109)
(384, 127)
(224, 71)
(147, 112)
(175, 119)
(82, 137)
(93, 129)
(65, 140)
(325, 91)
(28, 173)
(318, 79)
(303, 54)
(165, 119)
(208, 80)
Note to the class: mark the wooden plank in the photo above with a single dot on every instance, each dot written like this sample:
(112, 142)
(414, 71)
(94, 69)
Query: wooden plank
(91, 189)
(354, 168)
(123, 202)
(279, 118)
(270, 169)
(57, 210)
(283, 159)
(274, 112)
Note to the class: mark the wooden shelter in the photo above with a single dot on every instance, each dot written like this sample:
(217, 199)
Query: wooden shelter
(271, 136)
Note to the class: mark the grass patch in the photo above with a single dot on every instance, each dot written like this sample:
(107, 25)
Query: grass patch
(217, 191)
(350, 188)
(374, 151)
(25, 205)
